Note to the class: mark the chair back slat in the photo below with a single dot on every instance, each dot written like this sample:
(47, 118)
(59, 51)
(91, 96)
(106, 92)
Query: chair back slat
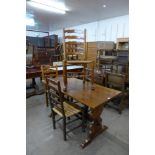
(53, 87)
(54, 94)
(50, 71)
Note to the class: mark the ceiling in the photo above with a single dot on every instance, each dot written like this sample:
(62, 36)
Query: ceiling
(80, 12)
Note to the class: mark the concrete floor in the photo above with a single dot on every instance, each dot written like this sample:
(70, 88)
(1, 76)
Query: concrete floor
(41, 139)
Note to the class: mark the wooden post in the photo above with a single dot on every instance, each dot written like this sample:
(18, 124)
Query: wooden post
(84, 73)
(85, 46)
(64, 45)
(92, 75)
(64, 63)
(65, 74)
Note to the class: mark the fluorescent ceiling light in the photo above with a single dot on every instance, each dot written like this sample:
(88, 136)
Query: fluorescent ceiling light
(49, 5)
(30, 22)
(104, 6)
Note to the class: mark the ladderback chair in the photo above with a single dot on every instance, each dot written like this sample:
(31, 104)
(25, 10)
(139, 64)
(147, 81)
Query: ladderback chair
(117, 81)
(61, 107)
(75, 53)
(48, 71)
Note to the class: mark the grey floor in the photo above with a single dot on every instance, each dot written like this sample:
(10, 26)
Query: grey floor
(41, 139)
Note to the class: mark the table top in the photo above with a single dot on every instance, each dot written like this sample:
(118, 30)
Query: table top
(60, 68)
(33, 72)
(80, 62)
(32, 68)
(85, 95)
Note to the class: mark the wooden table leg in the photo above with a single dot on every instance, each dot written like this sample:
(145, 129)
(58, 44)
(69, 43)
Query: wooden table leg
(33, 82)
(96, 126)
(32, 85)
(84, 73)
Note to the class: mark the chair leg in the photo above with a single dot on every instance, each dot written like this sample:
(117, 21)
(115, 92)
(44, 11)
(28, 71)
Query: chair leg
(83, 122)
(46, 98)
(71, 99)
(53, 119)
(121, 105)
(64, 128)
(84, 118)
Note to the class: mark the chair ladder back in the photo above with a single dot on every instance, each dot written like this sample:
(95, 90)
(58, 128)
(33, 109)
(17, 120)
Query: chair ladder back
(74, 44)
(55, 94)
(48, 70)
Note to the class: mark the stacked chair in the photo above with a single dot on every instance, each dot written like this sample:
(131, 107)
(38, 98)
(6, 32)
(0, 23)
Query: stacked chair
(75, 53)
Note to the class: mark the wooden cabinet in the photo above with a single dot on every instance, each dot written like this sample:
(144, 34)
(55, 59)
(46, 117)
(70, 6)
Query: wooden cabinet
(43, 56)
(122, 44)
(36, 41)
(93, 47)
(47, 41)
(51, 41)
(122, 48)
(92, 51)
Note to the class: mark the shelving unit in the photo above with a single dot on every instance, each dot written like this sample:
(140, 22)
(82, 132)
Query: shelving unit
(122, 48)
(105, 54)
(114, 60)
(104, 60)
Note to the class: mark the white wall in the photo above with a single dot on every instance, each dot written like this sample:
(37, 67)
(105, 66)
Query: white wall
(104, 30)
